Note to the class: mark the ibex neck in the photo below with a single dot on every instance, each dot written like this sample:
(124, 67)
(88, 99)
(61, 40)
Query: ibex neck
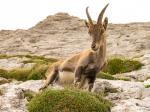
(101, 54)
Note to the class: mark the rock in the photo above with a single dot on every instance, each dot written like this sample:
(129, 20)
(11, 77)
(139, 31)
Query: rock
(132, 105)
(102, 87)
(10, 63)
(3, 80)
(131, 97)
(14, 63)
(147, 82)
(146, 93)
(29, 65)
(32, 85)
(128, 89)
(12, 99)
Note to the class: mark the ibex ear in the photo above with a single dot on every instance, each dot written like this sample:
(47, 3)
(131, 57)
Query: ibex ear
(105, 23)
(87, 24)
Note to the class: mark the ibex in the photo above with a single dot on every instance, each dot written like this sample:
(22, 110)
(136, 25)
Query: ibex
(85, 65)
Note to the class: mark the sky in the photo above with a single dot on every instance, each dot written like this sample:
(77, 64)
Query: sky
(23, 14)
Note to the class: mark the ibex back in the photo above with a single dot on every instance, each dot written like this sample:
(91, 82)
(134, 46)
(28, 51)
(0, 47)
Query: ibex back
(83, 67)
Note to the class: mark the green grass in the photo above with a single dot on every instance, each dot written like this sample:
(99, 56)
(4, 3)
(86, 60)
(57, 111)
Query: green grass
(123, 78)
(3, 56)
(105, 76)
(32, 58)
(34, 73)
(1, 92)
(19, 74)
(37, 72)
(3, 73)
(118, 65)
(23, 74)
(147, 86)
(39, 59)
(29, 95)
(67, 100)
(108, 76)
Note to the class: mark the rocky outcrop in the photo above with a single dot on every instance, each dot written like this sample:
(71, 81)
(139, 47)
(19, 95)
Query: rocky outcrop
(13, 99)
(14, 63)
(62, 35)
(129, 97)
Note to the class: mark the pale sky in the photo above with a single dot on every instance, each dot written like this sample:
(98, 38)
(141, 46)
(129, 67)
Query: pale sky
(23, 14)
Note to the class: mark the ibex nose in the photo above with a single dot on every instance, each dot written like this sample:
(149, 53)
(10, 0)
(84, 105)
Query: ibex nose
(93, 46)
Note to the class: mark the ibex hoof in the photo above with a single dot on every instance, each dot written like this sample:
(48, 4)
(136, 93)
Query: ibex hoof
(42, 88)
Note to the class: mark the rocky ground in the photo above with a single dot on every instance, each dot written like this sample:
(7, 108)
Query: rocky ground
(62, 35)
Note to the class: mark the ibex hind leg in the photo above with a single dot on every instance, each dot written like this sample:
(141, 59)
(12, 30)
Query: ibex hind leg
(82, 82)
(50, 78)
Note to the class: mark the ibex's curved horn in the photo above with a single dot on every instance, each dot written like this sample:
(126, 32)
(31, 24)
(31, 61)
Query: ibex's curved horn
(88, 16)
(100, 17)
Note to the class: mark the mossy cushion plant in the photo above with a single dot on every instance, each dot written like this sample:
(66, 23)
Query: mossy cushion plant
(67, 100)
(1, 92)
(147, 86)
(118, 65)
(34, 73)
(110, 77)
(37, 72)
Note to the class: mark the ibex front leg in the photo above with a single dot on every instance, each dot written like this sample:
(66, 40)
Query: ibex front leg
(91, 81)
(78, 73)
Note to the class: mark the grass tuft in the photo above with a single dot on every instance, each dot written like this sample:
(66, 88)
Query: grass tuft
(34, 73)
(39, 59)
(68, 101)
(37, 72)
(29, 95)
(110, 77)
(147, 86)
(3, 56)
(105, 76)
(3, 73)
(118, 65)
(1, 92)
(19, 74)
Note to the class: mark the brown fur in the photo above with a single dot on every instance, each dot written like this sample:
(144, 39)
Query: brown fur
(83, 67)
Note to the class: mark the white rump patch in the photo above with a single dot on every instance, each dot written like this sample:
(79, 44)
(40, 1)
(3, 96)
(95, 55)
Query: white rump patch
(66, 77)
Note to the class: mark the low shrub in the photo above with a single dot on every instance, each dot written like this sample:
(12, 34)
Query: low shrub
(19, 74)
(105, 76)
(29, 94)
(34, 73)
(37, 72)
(1, 92)
(147, 86)
(118, 65)
(67, 100)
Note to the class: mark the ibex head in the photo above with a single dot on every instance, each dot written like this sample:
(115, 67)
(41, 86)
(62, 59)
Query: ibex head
(96, 31)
